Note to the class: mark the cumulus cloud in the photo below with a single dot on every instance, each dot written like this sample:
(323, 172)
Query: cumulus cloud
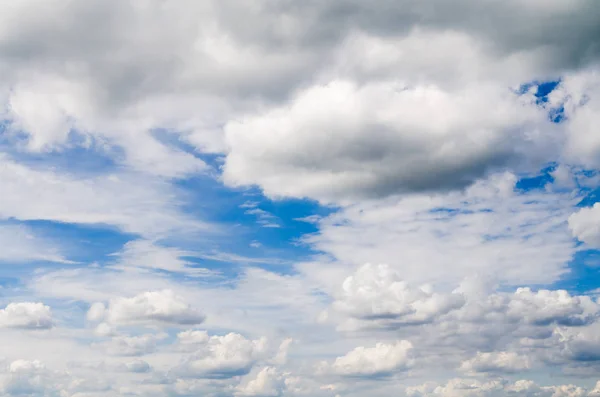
(376, 297)
(267, 383)
(377, 294)
(380, 139)
(584, 225)
(551, 307)
(119, 101)
(381, 360)
(414, 119)
(218, 356)
(154, 307)
(26, 315)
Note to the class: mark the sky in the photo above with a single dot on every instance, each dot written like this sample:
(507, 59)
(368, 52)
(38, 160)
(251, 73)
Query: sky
(279, 198)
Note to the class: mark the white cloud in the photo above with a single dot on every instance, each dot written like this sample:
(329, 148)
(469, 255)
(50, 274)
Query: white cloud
(547, 307)
(494, 388)
(382, 359)
(267, 383)
(26, 315)
(585, 225)
(488, 230)
(154, 307)
(20, 244)
(496, 362)
(377, 294)
(137, 345)
(578, 95)
(384, 107)
(219, 356)
(342, 141)
(151, 255)
(133, 203)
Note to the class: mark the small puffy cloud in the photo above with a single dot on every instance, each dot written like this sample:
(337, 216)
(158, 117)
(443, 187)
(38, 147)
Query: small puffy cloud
(497, 362)
(381, 360)
(155, 307)
(376, 294)
(218, 356)
(267, 383)
(23, 366)
(585, 225)
(26, 315)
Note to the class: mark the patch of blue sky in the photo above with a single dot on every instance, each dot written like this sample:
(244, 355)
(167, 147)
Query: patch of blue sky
(583, 274)
(75, 157)
(83, 243)
(174, 140)
(245, 238)
(590, 197)
(528, 183)
(542, 90)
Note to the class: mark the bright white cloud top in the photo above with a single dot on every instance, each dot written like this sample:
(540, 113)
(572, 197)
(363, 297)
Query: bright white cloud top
(279, 198)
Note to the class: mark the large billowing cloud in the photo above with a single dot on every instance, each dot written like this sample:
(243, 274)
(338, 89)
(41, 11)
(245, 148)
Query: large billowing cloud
(343, 98)
(342, 141)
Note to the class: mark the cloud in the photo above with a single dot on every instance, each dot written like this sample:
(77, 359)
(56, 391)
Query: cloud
(154, 307)
(21, 244)
(120, 101)
(551, 307)
(375, 297)
(584, 225)
(381, 139)
(268, 383)
(447, 237)
(151, 255)
(422, 123)
(494, 388)
(137, 345)
(381, 360)
(496, 362)
(138, 366)
(377, 294)
(577, 97)
(218, 356)
(129, 202)
(26, 315)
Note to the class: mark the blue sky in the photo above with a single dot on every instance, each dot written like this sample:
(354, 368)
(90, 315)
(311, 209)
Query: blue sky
(275, 199)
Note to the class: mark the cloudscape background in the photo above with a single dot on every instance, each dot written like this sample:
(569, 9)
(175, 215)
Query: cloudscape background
(280, 198)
